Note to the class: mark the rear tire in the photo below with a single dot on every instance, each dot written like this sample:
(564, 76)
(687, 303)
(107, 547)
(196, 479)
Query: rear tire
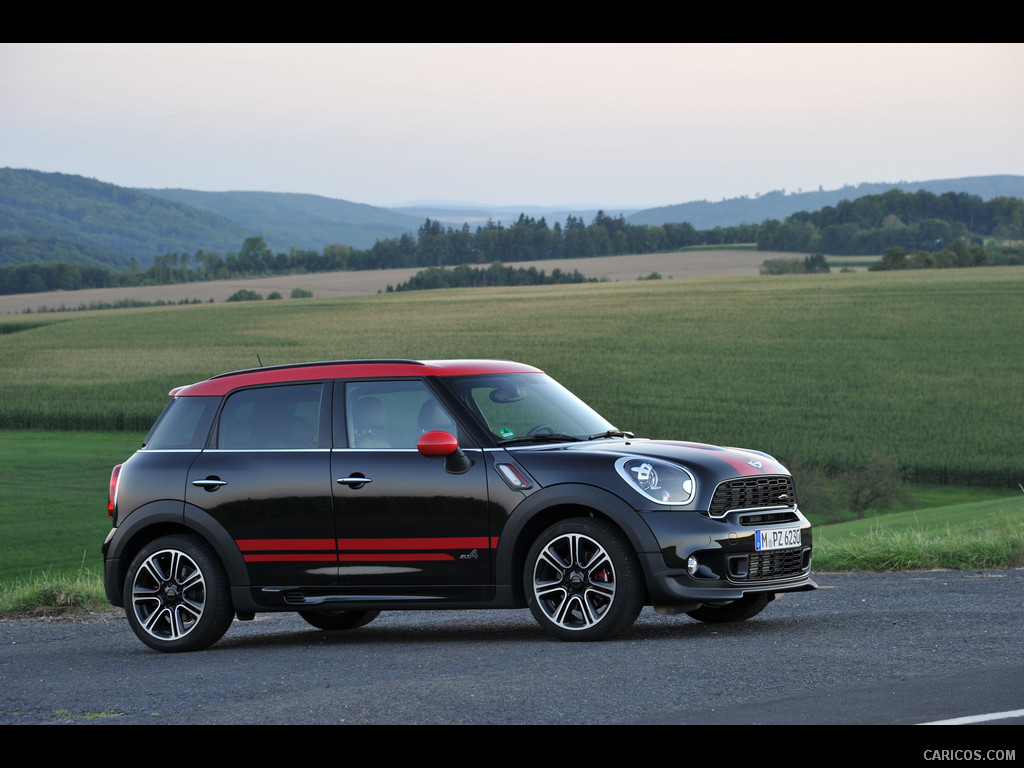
(738, 610)
(582, 580)
(177, 596)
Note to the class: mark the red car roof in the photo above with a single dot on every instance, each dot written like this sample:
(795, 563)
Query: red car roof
(347, 369)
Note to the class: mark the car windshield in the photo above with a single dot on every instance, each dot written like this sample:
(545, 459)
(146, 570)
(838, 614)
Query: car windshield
(528, 407)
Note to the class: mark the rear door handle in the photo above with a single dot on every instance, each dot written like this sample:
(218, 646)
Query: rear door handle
(354, 482)
(210, 483)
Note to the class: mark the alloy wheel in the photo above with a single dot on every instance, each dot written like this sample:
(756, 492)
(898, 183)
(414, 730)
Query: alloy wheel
(168, 594)
(574, 581)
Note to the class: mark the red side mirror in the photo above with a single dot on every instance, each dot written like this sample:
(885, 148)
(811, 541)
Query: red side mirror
(440, 444)
(437, 444)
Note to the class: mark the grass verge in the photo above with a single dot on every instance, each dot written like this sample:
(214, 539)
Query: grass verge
(974, 536)
(52, 594)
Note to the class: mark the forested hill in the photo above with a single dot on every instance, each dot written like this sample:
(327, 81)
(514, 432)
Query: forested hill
(50, 217)
(298, 221)
(914, 230)
(57, 217)
(777, 204)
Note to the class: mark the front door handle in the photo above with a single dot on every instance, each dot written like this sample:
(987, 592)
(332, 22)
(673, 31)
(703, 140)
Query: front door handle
(211, 483)
(356, 481)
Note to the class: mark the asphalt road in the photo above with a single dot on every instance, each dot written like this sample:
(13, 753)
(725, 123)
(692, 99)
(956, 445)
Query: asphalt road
(864, 649)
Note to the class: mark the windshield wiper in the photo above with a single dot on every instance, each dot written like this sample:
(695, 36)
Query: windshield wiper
(544, 437)
(611, 433)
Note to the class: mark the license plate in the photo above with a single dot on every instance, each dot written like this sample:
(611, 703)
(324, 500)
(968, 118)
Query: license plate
(777, 538)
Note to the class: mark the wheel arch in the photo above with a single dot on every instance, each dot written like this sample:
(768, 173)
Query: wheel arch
(562, 502)
(164, 518)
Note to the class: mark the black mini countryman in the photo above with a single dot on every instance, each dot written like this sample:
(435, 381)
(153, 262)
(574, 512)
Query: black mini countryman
(341, 489)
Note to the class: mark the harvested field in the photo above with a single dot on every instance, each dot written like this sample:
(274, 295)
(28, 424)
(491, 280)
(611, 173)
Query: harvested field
(685, 264)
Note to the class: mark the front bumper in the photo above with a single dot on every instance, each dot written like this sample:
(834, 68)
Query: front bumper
(707, 560)
(668, 587)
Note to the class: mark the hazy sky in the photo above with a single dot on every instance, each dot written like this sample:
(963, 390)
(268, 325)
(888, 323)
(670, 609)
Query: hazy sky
(615, 125)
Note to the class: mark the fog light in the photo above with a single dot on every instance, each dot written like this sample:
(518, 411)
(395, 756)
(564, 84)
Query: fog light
(692, 565)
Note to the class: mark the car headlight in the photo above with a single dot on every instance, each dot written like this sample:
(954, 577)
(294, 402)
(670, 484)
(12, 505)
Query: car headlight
(659, 481)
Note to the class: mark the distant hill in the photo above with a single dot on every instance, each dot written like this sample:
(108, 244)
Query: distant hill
(305, 222)
(702, 214)
(50, 217)
(62, 217)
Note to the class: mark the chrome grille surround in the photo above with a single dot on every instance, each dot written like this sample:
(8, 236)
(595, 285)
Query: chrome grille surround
(748, 493)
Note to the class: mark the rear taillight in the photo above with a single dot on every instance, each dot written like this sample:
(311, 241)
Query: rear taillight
(112, 490)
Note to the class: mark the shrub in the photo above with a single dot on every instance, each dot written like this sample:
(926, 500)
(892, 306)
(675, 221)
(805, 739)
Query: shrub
(782, 267)
(245, 295)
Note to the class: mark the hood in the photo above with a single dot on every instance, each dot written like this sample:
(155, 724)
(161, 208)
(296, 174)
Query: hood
(738, 462)
(593, 462)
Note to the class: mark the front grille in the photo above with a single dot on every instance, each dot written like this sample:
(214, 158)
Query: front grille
(753, 493)
(781, 564)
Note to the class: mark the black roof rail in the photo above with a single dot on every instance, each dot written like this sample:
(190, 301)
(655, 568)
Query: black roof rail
(322, 362)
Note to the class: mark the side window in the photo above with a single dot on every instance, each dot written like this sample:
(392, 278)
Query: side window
(184, 424)
(392, 414)
(272, 418)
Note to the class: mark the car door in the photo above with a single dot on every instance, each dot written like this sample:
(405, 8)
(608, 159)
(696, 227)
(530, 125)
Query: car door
(405, 525)
(267, 481)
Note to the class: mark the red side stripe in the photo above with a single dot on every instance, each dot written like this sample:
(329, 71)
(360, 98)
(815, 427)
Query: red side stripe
(319, 558)
(247, 545)
(393, 557)
(464, 542)
(327, 550)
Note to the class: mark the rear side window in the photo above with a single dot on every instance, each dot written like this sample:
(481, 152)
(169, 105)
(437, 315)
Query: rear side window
(183, 425)
(273, 418)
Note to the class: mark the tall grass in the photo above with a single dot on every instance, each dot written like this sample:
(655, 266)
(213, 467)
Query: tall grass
(54, 592)
(975, 535)
(916, 550)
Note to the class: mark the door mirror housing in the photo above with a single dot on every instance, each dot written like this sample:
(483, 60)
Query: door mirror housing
(440, 444)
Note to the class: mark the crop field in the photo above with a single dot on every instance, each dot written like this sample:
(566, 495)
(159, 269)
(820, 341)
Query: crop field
(924, 367)
(726, 262)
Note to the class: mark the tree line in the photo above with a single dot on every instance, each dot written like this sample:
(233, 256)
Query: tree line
(465, 276)
(434, 245)
(919, 221)
(915, 222)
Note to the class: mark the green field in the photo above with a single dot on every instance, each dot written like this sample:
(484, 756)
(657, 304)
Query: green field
(54, 504)
(923, 366)
(985, 534)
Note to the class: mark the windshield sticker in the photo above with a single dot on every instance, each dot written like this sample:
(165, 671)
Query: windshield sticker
(506, 432)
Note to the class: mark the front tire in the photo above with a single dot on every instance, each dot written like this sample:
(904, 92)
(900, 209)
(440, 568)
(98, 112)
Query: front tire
(582, 580)
(332, 620)
(738, 610)
(177, 596)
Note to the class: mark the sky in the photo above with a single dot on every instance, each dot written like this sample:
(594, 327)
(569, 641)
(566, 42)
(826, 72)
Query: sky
(547, 124)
